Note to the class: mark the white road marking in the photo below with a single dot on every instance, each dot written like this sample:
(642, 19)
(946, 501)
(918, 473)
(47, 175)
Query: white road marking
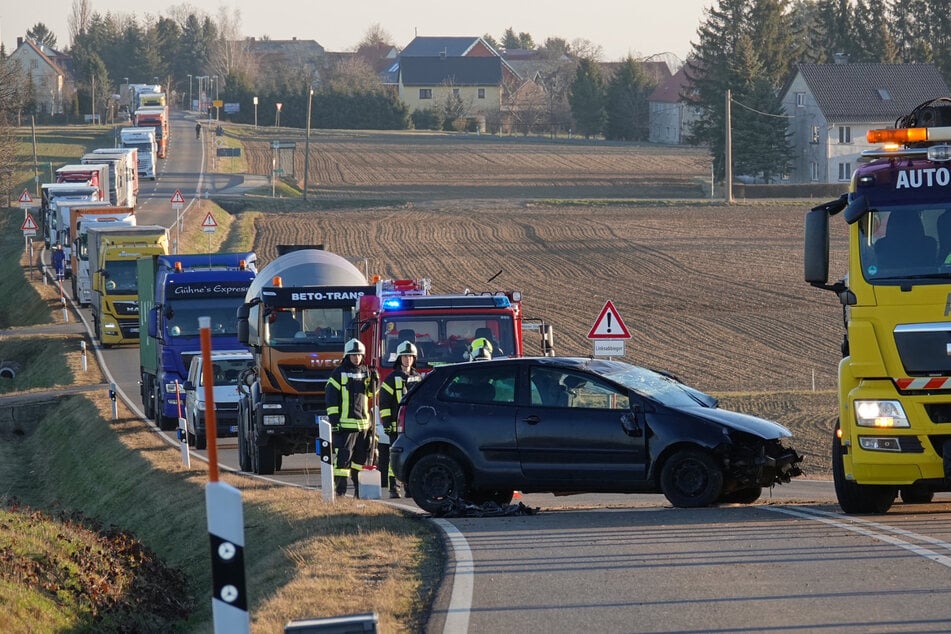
(463, 580)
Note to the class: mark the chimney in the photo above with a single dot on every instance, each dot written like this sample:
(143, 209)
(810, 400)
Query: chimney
(840, 58)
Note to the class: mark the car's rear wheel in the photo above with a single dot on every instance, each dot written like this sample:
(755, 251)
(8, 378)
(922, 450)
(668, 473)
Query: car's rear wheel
(742, 496)
(691, 478)
(499, 497)
(436, 478)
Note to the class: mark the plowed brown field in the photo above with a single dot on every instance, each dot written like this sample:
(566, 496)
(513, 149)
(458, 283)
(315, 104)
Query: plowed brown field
(710, 292)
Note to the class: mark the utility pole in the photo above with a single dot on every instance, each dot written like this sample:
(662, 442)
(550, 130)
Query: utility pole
(728, 171)
(310, 98)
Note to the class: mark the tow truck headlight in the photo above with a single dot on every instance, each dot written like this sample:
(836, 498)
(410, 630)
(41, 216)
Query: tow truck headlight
(882, 414)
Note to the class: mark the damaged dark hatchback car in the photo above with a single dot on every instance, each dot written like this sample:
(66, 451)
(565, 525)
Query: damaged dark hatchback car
(480, 431)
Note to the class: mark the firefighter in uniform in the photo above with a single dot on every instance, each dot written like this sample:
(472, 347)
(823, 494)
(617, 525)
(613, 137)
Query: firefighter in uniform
(400, 381)
(479, 350)
(349, 394)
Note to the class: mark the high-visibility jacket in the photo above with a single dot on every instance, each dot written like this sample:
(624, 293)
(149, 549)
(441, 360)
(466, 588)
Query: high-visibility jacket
(348, 395)
(391, 393)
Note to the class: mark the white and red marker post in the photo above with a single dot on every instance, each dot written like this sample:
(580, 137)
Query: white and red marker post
(229, 599)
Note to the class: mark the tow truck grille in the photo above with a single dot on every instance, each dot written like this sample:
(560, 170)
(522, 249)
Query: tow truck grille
(923, 349)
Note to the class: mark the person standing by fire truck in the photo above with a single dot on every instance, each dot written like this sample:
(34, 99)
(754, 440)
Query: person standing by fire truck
(349, 394)
(401, 380)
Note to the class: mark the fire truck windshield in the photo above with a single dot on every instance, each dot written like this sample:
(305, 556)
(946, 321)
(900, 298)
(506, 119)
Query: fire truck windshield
(905, 242)
(445, 339)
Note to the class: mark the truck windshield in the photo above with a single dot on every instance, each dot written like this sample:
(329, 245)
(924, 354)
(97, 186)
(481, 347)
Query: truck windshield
(121, 278)
(445, 339)
(321, 328)
(181, 316)
(905, 242)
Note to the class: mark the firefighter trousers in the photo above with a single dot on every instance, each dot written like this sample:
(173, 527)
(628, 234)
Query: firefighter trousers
(351, 447)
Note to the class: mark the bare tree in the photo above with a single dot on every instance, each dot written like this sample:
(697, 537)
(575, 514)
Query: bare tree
(11, 100)
(375, 36)
(231, 52)
(586, 48)
(353, 75)
(79, 18)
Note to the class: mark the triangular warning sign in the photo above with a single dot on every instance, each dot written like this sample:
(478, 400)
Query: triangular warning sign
(177, 197)
(26, 198)
(28, 224)
(609, 325)
(209, 221)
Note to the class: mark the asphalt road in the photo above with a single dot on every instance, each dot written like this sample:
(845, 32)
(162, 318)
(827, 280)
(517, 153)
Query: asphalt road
(632, 563)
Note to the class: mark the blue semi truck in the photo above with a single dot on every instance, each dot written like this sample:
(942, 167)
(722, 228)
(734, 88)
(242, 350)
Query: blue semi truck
(174, 291)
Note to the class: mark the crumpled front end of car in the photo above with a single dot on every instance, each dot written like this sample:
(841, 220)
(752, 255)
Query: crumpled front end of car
(752, 461)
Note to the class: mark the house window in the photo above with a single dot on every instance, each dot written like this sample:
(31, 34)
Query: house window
(481, 93)
(845, 171)
(800, 100)
(34, 64)
(815, 171)
(425, 93)
(815, 134)
(845, 134)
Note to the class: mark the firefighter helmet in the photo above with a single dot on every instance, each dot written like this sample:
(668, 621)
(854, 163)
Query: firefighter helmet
(480, 349)
(406, 348)
(354, 346)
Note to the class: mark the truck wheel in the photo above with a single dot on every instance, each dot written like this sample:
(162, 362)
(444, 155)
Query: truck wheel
(691, 478)
(148, 398)
(858, 498)
(244, 456)
(262, 458)
(435, 479)
(201, 442)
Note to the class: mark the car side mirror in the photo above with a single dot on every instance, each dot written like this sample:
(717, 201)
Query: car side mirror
(188, 386)
(630, 424)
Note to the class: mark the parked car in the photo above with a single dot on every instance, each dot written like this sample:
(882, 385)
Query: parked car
(227, 368)
(480, 431)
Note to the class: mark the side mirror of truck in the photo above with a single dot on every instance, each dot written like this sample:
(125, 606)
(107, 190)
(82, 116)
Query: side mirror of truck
(188, 385)
(153, 322)
(816, 247)
(243, 329)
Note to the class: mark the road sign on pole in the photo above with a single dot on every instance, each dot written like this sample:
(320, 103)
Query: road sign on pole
(25, 199)
(29, 226)
(609, 324)
(208, 225)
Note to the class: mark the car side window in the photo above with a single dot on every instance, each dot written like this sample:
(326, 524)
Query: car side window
(590, 392)
(482, 384)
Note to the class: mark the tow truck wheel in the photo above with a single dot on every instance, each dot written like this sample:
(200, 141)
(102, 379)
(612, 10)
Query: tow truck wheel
(201, 442)
(691, 478)
(858, 498)
(916, 495)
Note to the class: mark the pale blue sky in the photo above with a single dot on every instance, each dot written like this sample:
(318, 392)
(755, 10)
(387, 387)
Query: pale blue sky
(638, 27)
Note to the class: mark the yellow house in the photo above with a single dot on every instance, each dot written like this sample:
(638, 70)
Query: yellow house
(47, 77)
(427, 82)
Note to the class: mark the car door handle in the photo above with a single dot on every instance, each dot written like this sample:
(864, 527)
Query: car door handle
(531, 420)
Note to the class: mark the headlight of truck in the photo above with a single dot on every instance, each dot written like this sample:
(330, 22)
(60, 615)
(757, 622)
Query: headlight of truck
(170, 388)
(884, 414)
(200, 406)
(274, 419)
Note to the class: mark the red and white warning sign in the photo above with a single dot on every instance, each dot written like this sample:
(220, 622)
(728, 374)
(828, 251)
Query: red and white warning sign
(25, 199)
(177, 198)
(29, 225)
(208, 225)
(609, 324)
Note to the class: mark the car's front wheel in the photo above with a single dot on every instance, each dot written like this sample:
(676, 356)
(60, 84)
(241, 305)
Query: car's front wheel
(436, 478)
(691, 478)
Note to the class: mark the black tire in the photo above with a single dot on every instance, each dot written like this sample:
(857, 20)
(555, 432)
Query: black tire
(742, 496)
(262, 458)
(691, 478)
(278, 461)
(148, 398)
(434, 479)
(916, 495)
(501, 498)
(244, 456)
(201, 442)
(858, 498)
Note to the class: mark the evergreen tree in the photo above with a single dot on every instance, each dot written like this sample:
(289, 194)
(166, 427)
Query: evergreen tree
(873, 41)
(809, 32)
(626, 105)
(41, 34)
(586, 98)
(771, 27)
(510, 41)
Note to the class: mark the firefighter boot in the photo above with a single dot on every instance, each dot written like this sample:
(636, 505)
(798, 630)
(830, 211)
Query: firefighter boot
(340, 485)
(356, 484)
(394, 488)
